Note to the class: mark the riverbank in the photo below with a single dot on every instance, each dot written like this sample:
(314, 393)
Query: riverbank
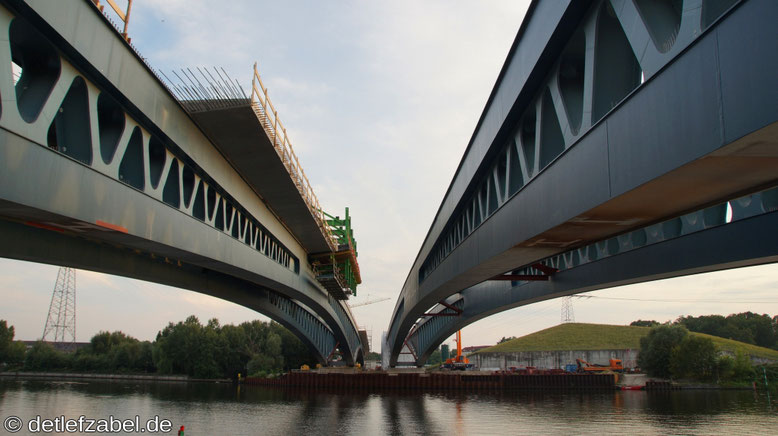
(352, 380)
(118, 377)
(429, 381)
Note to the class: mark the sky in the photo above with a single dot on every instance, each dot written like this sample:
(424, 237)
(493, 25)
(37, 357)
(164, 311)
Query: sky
(380, 100)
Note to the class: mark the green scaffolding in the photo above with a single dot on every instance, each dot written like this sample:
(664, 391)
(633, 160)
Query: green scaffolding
(343, 263)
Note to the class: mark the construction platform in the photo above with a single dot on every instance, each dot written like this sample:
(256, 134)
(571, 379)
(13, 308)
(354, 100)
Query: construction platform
(249, 134)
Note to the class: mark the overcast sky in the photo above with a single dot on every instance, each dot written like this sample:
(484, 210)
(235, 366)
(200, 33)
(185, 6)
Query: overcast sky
(380, 100)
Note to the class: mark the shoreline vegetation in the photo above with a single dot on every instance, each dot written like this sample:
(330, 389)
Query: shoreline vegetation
(187, 348)
(684, 351)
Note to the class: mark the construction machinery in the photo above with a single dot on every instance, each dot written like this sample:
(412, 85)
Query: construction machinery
(365, 303)
(614, 365)
(459, 361)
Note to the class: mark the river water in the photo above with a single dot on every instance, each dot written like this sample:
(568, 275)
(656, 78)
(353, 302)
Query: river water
(225, 409)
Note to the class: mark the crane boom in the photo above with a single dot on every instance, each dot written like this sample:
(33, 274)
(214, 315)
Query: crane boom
(365, 303)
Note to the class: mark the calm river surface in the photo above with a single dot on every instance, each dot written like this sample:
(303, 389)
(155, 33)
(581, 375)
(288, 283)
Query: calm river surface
(223, 409)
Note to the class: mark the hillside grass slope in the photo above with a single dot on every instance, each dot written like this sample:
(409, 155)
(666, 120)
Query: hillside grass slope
(579, 336)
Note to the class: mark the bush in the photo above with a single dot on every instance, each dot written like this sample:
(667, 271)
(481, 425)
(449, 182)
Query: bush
(725, 367)
(694, 358)
(260, 363)
(14, 354)
(742, 370)
(87, 362)
(43, 357)
(656, 349)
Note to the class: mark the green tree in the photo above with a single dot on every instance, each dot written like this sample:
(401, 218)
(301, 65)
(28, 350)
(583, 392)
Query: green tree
(177, 347)
(694, 358)
(103, 342)
(212, 350)
(145, 359)
(273, 349)
(747, 327)
(656, 349)
(190, 348)
(234, 358)
(641, 323)
(11, 352)
(760, 327)
(256, 333)
(294, 352)
(709, 324)
(260, 365)
(435, 358)
(115, 352)
(208, 356)
(43, 357)
(6, 338)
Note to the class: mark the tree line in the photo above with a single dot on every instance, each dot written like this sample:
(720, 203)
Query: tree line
(188, 347)
(748, 327)
(669, 351)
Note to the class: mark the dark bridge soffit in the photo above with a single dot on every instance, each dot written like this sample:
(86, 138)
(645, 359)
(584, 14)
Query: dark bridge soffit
(237, 133)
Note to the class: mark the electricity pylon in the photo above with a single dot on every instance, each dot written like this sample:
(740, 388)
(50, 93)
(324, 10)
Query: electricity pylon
(567, 310)
(62, 310)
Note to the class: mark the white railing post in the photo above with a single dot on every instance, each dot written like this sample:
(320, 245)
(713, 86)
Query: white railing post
(254, 82)
(275, 128)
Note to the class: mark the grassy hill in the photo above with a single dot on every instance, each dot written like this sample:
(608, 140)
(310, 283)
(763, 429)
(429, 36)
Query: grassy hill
(578, 336)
